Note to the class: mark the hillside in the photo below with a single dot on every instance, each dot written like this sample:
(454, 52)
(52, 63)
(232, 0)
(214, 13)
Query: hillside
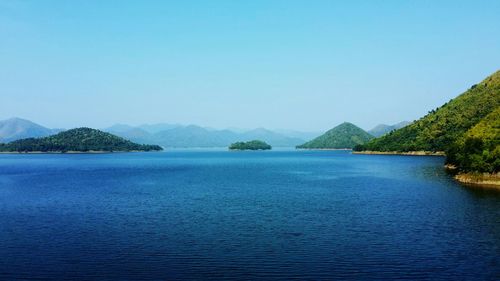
(79, 140)
(17, 128)
(345, 135)
(441, 127)
(383, 129)
(479, 149)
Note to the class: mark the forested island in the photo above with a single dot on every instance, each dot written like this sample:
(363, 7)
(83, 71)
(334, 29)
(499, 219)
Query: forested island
(76, 140)
(466, 129)
(250, 145)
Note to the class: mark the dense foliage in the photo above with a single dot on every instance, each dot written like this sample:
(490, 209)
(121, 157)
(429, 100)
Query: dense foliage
(250, 145)
(442, 127)
(479, 149)
(345, 135)
(80, 140)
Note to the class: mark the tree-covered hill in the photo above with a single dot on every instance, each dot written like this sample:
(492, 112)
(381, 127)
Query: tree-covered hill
(79, 140)
(250, 145)
(345, 135)
(441, 127)
(479, 149)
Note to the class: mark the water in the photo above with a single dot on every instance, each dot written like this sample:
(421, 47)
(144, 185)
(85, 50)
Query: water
(305, 215)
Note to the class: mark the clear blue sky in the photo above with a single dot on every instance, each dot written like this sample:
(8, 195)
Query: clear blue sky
(305, 65)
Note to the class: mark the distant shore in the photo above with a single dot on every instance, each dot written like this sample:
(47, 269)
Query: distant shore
(68, 152)
(409, 153)
(343, 149)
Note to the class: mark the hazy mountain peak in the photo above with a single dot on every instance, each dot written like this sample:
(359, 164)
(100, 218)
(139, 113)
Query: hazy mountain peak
(158, 127)
(18, 128)
(119, 128)
(383, 129)
(260, 130)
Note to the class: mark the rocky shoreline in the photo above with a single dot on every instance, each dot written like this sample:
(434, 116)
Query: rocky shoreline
(483, 180)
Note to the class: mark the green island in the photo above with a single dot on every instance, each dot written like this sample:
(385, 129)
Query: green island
(250, 145)
(79, 140)
(344, 136)
(466, 129)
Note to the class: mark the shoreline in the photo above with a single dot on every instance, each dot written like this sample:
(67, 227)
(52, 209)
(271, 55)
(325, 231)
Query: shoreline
(69, 152)
(334, 149)
(479, 180)
(475, 180)
(409, 153)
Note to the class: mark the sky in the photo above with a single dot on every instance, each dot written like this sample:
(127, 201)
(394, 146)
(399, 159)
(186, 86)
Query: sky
(305, 65)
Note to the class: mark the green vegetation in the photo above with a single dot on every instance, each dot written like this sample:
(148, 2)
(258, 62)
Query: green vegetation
(345, 135)
(479, 149)
(442, 127)
(78, 140)
(250, 145)
(467, 129)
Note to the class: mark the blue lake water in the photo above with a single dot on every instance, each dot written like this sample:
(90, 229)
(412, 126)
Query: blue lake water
(306, 215)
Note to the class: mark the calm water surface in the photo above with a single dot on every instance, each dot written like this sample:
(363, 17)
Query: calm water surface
(307, 215)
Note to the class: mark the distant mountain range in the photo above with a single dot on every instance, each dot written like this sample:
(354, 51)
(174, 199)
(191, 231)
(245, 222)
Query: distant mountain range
(383, 129)
(169, 135)
(345, 135)
(148, 128)
(16, 128)
(176, 135)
